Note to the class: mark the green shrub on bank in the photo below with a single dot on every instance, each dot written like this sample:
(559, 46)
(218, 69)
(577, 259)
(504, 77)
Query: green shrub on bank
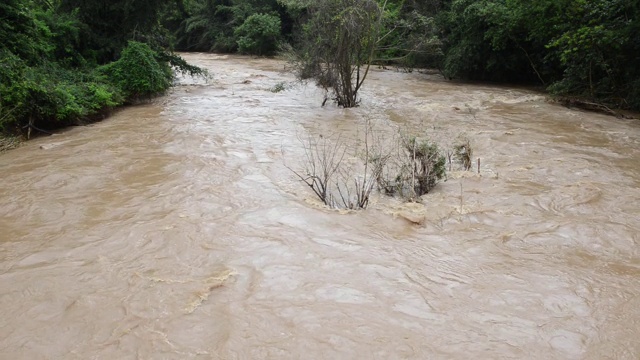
(50, 63)
(50, 96)
(259, 34)
(138, 74)
(575, 48)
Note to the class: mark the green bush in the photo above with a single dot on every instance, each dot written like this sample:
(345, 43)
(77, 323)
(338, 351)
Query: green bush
(43, 80)
(11, 68)
(49, 95)
(138, 74)
(259, 34)
(417, 168)
(76, 100)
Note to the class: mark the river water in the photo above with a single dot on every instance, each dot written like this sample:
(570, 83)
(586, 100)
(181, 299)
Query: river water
(174, 230)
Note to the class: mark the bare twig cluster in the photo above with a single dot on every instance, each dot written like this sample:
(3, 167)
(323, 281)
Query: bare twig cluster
(323, 157)
(374, 160)
(397, 165)
(337, 181)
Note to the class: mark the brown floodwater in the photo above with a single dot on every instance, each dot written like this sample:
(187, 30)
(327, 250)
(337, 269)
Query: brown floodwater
(174, 230)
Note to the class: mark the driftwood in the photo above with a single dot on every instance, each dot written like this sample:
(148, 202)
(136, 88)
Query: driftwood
(30, 127)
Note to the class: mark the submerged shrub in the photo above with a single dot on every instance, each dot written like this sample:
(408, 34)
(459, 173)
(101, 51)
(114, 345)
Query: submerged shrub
(463, 153)
(278, 87)
(401, 166)
(415, 169)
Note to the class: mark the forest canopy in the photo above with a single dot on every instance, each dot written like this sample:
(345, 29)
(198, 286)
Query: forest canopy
(68, 61)
(575, 48)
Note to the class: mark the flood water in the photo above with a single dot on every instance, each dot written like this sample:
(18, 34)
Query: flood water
(174, 230)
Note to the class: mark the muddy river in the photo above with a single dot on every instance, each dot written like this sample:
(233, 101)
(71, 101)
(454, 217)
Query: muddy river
(174, 230)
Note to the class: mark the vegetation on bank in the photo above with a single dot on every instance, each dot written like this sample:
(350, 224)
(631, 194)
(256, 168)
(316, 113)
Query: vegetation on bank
(578, 49)
(67, 62)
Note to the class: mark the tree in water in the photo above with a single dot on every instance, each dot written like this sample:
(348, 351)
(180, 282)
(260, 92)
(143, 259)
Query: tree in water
(338, 45)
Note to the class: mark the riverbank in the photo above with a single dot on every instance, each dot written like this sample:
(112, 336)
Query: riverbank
(9, 142)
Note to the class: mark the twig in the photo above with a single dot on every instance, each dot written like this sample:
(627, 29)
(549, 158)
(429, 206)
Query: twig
(461, 198)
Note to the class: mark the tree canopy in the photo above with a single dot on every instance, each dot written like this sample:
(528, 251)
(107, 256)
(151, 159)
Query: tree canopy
(578, 48)
(68, 61)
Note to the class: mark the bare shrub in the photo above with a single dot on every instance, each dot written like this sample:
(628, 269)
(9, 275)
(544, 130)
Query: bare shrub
(355, 187)
(323, 158)
(449, 154)
(402, 166)
(338, 180)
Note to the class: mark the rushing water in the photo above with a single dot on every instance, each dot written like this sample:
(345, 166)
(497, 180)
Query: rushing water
(173, 230)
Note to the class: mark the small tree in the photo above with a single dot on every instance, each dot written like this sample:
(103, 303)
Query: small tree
(338, 45)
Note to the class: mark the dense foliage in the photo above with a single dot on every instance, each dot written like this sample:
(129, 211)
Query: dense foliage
(221, 25)
(65, 62)
(258, 34)
(577, 48)
(588, 49)
(138, 73)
